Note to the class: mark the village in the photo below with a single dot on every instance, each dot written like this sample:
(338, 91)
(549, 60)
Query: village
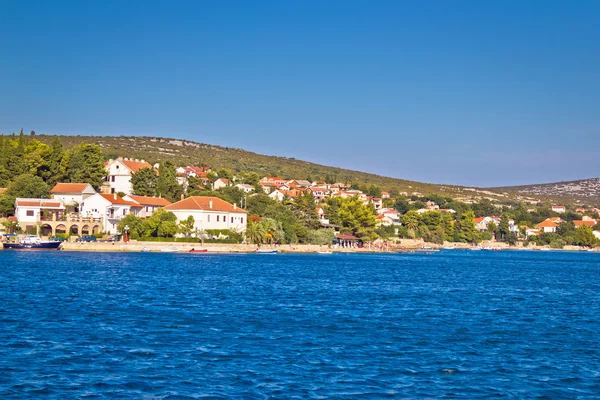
(76, 211)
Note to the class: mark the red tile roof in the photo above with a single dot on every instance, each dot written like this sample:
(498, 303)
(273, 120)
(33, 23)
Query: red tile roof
(584, 223)
(478, 220)
(114, 199)
(547, 224)
(150, 201)
(203, 203)
(44, 203)
(69, 187)
(135, 166)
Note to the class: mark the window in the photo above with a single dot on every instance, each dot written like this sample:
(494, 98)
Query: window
(217, 218)
(208, 219)
(124, 211)
(241, 220)
(30, 213)
(112, 178)
(232, 220)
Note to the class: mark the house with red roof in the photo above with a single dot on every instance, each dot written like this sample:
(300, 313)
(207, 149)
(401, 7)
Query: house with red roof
(221, 183)
(30, 211)
(547, 226)
(110, 207)
(559, 209)
(210, 213)
(119, 172)
(72, 194)
(146, 204)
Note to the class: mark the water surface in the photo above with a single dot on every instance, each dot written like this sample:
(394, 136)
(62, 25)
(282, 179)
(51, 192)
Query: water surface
(451, 324)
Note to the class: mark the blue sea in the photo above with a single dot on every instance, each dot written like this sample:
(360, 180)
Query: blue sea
(454, 324)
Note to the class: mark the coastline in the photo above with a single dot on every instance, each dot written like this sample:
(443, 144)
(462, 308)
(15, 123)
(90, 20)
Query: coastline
(218, 248)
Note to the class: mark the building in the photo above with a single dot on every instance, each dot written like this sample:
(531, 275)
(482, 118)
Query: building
(30, 212)
(210, 213)
(245, 187)
(559, 209)
(119, 172)
(221, 183)
(547, 226)
(110, 208)
(72, 194)
(147, 204)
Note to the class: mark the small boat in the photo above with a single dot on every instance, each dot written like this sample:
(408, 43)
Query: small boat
(146, 250)
(266, 251)
(324, 252)
(169, 249)
(476, 248)
(32, 242)
(198, 251)
(449, 248)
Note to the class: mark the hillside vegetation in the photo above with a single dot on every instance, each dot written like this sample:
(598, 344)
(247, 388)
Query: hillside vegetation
(582, 190)
(185, 152)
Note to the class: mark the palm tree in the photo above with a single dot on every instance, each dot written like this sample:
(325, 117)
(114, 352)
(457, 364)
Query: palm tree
(255, 233)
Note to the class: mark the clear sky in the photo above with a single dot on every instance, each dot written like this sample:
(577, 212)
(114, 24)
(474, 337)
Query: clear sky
(466, 92)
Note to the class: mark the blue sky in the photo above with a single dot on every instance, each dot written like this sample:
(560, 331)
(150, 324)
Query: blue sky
(466, 92)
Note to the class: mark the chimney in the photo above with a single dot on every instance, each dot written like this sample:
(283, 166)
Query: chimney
(182, 196)
(234, 206)
(210, 203)
(110, 160)
(137, 160)
(115, 195)
(142, 160)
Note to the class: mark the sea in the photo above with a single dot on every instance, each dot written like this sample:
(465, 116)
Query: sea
(453, 324)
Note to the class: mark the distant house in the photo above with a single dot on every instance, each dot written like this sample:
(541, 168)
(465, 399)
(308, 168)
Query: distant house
(147, 204)
(586, 222)
(277, 195)
(559, 209)
(547, 226)
(385, 195)
(245, 187)
(119, 172)
(221, 183)
(299, 183)
(110, 207)
(210, 213)
(72, 194)
(597, 234)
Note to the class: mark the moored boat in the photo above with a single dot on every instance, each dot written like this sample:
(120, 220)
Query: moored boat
(32, 242)
(198, 251)
(266, 251)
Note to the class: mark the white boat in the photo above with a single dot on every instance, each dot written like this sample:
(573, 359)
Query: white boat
(169, 249)
(324, 252)
(449, 248)
(266, 251)
(146, 250)
(477, 248)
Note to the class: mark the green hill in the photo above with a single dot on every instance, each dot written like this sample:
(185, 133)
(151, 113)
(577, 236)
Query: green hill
(186, 152)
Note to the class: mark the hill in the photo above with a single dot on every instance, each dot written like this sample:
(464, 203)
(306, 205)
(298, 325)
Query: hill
(185, 152)
(581, 191)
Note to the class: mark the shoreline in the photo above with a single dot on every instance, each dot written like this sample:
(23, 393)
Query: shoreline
(218, 248)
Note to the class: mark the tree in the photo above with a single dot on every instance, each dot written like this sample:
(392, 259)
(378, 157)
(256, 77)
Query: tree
(321, 236)
(161, 223)
(167, 185)
(503, 227)
(25, 185)
(144, 182)
(353, 215)
(411, 221)
(135, 225)
(465, 228)
(225, 173)
(255, 233)
(84, 163)
(584, 236)
(374, 191)
(186, 227)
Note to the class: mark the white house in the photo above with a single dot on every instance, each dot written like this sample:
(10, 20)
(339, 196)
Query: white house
(597, 234)
(72, 194)
(210, 213)
(29, 211)
(119, 171)
(277, 195)
(245, 187)
(147, 204)
(559, 209)
(220, 183)
(110, 207)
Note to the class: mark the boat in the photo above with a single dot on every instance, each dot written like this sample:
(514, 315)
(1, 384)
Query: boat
(266, 251)
(449, 248)
(169, 249)
(146, 250)
(477, 248)
(324, 252)
(198, 251)
(32, 242)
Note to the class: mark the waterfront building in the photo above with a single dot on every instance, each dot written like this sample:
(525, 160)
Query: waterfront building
(109, 208)
(119, 172)
(210, 213)
(147, 204)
